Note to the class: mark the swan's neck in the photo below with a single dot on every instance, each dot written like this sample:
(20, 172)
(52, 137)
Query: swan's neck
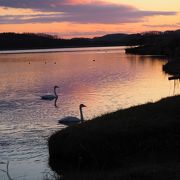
(55, 93)
(55, 102)
(81, 114)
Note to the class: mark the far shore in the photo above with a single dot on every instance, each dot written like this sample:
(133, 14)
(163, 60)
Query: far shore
(64, 49)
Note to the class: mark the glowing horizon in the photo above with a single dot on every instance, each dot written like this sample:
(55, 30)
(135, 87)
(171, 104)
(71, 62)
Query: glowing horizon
(88, 18)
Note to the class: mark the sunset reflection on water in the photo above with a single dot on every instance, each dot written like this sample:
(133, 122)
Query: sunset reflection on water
(104, 79)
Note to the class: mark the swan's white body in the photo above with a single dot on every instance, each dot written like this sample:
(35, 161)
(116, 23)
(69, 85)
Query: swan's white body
(70, 120)
(50, 96)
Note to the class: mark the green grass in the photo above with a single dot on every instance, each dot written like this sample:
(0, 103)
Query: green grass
(141, 142)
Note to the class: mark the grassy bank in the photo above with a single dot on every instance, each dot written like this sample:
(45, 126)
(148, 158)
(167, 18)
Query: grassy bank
(141, 142)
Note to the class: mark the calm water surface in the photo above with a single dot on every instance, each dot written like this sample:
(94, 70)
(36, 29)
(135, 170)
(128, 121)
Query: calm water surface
(113, 81)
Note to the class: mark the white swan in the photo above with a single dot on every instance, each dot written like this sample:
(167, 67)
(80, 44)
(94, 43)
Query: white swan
(70, 120)
(50, 96)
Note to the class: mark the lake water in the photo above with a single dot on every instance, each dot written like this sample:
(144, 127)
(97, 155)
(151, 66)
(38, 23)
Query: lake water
(104, 79)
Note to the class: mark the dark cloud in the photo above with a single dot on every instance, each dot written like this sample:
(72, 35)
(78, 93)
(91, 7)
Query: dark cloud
(22, 19)
(84, 34)
(95, 12)
(31, 4)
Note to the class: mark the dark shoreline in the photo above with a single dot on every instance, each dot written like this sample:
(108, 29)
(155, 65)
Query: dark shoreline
(171, 67)
(144, 138)
(53, 50)
(24, 41)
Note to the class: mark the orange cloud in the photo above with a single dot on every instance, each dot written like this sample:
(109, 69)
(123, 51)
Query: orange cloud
(86, 17)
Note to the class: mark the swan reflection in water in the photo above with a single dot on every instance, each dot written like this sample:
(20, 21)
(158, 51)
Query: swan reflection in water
(50, 97)
(70, 120)
(55, 102)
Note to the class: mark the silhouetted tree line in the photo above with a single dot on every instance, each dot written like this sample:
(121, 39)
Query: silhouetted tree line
(28, 41)
(155, 42)
(9, 41)
(159, 43)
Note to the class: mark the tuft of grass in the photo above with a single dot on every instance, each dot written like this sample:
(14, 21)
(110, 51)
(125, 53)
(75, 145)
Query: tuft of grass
(138, 138)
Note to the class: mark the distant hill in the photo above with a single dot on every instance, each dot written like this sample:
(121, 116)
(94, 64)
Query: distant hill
(119, 39)
(10, 41)
(159, 42)
(111, 37)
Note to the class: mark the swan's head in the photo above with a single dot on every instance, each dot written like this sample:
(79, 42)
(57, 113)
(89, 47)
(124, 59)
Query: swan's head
(82, 105)
(56, 87)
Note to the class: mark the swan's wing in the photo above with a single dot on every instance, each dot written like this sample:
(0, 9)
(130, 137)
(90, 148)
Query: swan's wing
(69, 119)
(48, 97)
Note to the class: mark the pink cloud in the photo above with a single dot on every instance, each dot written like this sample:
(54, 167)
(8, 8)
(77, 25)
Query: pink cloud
(80, 12)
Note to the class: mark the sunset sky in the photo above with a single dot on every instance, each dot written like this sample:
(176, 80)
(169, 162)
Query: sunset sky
(88, 18)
